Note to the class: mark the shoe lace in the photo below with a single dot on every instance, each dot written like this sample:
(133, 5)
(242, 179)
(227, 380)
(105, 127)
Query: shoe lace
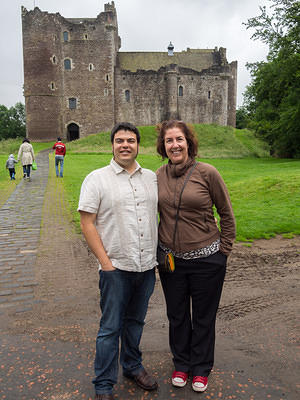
(200, 379)
(178, 374)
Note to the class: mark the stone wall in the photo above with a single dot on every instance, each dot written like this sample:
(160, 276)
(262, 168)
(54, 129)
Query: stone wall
(169, 93)
(146, 102)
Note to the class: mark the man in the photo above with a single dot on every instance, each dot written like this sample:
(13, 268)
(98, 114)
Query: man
(60, 152)
(118, 211)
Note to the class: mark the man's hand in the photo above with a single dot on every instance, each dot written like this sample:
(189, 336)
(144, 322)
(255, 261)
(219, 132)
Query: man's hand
(108, 267)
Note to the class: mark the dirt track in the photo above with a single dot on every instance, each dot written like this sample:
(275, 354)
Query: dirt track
(47, 353)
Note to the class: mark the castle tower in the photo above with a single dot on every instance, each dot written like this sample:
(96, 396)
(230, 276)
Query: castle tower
(171, 92)
(69, 73)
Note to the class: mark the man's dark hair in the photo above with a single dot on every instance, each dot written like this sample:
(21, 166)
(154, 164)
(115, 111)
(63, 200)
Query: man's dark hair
(59, 139)
(125, 126)
(26, 140)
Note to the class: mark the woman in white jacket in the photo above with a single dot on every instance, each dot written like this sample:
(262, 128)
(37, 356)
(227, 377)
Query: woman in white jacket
(26, 154)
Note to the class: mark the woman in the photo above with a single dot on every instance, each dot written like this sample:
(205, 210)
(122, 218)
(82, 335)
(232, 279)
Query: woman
(189, 236)
(26, 154)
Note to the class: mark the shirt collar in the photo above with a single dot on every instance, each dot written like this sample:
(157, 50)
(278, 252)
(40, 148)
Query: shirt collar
(118, 169)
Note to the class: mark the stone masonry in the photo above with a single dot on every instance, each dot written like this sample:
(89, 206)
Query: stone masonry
(77, 82)
(20, 222)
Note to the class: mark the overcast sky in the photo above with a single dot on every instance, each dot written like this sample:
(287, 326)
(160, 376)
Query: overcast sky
(144, 25)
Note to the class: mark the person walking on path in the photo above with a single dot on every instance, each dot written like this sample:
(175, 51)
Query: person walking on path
(118, 210)
(26, 154)
(192, 252)
(10, 165)
(60, 152)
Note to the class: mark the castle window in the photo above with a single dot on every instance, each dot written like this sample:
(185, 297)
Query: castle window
(66, 36)
(127, 95)
(209, 94)
(180, 91)
(67, 64)
(53, 59)
(107, 77)
(86, 36)
(52, 86)
(72, 103)
(91, 67)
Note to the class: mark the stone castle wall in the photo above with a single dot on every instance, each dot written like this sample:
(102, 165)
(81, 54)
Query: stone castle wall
(100, 86)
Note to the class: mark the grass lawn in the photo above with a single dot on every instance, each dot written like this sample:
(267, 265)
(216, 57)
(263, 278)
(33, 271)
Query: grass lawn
(7, 147)
(265, 193)
(6, 185)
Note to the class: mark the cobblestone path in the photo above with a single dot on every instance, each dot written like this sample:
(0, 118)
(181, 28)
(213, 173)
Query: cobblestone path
(20, 220)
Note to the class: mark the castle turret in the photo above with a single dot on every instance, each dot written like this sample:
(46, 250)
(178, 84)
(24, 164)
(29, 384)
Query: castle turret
(170, 49)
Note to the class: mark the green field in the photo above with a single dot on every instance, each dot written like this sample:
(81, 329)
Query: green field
(265, 192)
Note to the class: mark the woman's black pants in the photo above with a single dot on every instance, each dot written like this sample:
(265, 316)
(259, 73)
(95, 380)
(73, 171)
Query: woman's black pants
(192, 294)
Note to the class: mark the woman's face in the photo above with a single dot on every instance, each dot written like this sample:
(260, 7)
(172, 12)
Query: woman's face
(176, 145)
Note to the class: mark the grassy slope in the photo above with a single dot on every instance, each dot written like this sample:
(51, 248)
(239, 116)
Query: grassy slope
(11, 146)
(214, 142)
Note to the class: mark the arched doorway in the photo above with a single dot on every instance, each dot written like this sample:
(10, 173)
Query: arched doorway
(73, 132)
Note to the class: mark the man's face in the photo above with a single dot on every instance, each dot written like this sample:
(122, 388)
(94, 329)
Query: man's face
(125, 148)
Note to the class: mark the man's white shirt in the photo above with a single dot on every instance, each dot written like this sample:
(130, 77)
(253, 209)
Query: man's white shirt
(126, 214)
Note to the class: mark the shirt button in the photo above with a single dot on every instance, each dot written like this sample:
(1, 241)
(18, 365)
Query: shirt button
(142, 250)
(140, 219)
(138, 204)
(142, 235)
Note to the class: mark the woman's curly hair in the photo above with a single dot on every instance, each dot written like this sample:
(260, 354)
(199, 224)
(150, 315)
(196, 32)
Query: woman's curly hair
(186, 129)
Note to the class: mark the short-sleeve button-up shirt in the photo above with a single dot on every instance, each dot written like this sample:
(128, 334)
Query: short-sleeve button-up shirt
(126, 214)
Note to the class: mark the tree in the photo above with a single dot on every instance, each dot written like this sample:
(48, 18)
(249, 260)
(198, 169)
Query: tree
(272, 100)
(12, 121)
(242, 118)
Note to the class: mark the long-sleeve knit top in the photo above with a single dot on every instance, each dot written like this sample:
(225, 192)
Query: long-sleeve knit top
(196, 226)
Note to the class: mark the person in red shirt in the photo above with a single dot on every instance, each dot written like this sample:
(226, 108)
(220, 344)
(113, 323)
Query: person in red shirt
(60, 152)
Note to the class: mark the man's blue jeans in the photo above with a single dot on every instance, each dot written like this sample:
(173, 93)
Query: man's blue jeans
(124, 302)
(59, 160)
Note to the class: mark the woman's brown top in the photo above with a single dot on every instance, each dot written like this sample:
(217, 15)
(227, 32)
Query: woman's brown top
(196, 227)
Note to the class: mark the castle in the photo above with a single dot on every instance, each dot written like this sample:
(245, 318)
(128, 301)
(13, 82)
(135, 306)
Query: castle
(77, 82)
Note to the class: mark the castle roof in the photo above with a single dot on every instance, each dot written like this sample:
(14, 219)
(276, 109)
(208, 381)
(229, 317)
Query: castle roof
(196, 59)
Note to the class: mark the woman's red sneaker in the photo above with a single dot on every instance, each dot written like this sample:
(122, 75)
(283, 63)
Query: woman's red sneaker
(179, 379)
(199, 383)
